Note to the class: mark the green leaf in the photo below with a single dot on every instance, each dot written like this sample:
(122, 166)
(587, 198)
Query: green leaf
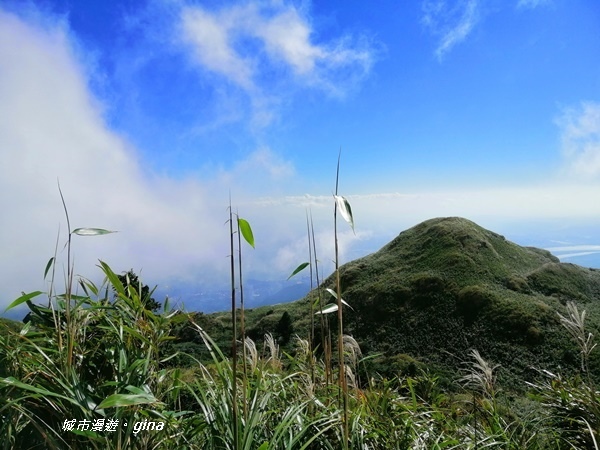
(298, 269)
(329, 309)
(126, 400)
(25, 329)
(345, 209)
(113, 278)
(246, 230)
(367, 358)
(50, 261)
(88, 285)
(334, 294)
(22, 299)
(91, 231)
(12, 381)
(136, 390)
(265, 446)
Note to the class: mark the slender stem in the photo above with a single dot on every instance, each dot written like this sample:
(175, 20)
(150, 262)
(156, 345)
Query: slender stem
(342, 370)
(311, 336)
(69, 325)
(55, 313)
(242, 320)
(324, 323)
(234, 339)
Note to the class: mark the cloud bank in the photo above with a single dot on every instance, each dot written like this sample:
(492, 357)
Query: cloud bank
(52, 128)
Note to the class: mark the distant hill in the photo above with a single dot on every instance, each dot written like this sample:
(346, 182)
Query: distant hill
(197, 296)
(8, 324)
(446, 286)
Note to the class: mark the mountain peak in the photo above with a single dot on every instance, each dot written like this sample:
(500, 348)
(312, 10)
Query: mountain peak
(457, 248)
(447, 285)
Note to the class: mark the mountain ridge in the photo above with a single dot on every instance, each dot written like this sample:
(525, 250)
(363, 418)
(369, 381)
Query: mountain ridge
(448, 285)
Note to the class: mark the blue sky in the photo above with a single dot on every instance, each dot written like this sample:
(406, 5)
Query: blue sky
(150, 113)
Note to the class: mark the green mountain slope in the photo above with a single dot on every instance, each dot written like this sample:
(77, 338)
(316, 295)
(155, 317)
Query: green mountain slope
(7, 324)
(446, 286)
(6, 327)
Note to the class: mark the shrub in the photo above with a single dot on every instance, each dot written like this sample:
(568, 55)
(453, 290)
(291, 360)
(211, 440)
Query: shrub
(471, 300)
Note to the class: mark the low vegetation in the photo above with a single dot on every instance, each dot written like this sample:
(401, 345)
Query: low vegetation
(458, 339)
(124, 373)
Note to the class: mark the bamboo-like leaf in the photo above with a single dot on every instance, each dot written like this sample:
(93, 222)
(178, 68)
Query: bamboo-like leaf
(345, 209)
(246, 231)
(12, 381)
(333, 293)
(298, 269)
(88, 286)
(331, 308)
(91, 231)
(113, 279)
(50, 261)
(126, 400)
(138, 391)
(22, 299)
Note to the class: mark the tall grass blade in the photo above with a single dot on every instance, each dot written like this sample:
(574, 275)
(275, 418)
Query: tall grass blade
(591, 433)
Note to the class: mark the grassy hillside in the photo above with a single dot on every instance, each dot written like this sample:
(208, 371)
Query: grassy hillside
(7, 324)
(104, 371)
(7, 327)
(444, 287)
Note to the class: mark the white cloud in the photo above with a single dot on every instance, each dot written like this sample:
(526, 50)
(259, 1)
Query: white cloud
(580, 137)
(532, 4)
(266, 160)
(287, 37)
(211, 39)
(395, 211)
(247, 43)
(574, 251)
(51, 128)
(452, 21)
(579, 248)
